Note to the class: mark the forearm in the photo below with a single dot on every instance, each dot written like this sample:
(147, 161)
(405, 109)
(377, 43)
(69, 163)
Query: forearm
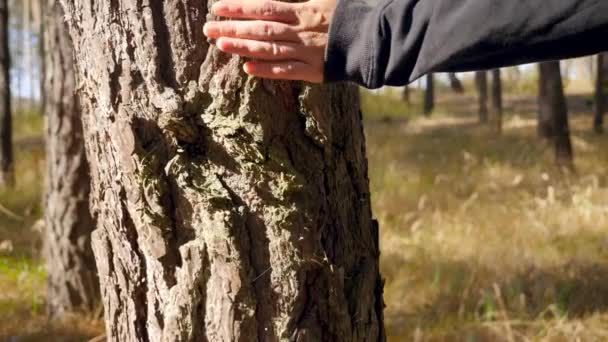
(396, 41)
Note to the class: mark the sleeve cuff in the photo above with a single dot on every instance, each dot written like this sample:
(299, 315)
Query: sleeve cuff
(348, 55)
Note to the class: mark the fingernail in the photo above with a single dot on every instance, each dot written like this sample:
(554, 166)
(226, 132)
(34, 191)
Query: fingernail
(221, 44)
(247, 68)
(209, 29)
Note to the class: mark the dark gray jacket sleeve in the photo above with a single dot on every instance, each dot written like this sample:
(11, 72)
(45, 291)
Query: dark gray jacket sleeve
(393, 42)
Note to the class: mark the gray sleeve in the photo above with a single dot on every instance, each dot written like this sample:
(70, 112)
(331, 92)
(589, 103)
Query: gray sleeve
(394, 42)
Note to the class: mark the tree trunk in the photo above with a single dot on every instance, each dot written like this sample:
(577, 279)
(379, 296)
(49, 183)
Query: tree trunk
(497, 108)
(601, 83)
(406, 94)
(553, 111)
(72, 282)
(429, 95)
(455, 83)
(42, 8)
(481, 80)
(228, 208)
(6, 129)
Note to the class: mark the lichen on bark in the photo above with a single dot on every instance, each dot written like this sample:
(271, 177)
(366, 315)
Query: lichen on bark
(230, 208)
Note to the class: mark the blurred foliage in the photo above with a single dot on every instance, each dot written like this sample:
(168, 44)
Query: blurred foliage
(22, 285)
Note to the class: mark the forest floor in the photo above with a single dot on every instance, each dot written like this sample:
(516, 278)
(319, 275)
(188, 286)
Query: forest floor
(483, 238)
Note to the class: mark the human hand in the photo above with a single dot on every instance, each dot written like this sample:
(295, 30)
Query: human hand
(284, 40)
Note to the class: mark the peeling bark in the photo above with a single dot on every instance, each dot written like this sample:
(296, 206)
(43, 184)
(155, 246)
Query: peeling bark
(72, 283)
(229, 208)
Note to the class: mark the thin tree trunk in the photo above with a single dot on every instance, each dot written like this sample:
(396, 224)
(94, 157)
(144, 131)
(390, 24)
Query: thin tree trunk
(600, 95)
(406, 94)
(481, 80)
(455, 83)
(497, 107)
(228, 208)
(72, 282)
(429, 95)
(553, 108)
(41, 53)
(6, 130)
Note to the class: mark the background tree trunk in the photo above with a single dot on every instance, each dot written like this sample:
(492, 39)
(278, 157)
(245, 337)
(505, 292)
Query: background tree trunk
(497, 108)
(429, 95)
(6, 136)
(553, 112)
(72, 282)
(600, 93)
(228, 208)
(406, 94)
(455, 83)
(481, 81)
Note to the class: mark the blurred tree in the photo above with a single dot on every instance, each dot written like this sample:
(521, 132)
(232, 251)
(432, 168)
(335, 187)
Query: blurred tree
(406, 94)
(72, 282)
(601, 84)
(481, 81)
(497, 108)
(455, 83)
(429, 95)
(553, 112)
(229, 208)
(6, 131)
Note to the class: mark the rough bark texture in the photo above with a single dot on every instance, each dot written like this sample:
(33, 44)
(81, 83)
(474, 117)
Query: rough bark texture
(6, 138)
(72, 282)
(553, 112)
(429, 95)
(455, 83)
(497, 107)
(481, 81)
(229, 208)
(601, 85)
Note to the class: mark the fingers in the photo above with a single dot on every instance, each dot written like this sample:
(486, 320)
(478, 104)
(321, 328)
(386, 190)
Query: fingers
(256, 9)
(270, 51)
(255, 30)
(286, 70)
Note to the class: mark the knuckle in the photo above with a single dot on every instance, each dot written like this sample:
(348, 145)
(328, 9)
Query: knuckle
(268, 30)
(267, 8)
(276, 50)
(230, 29)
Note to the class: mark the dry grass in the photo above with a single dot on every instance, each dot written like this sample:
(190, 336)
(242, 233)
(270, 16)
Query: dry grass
(483, 238)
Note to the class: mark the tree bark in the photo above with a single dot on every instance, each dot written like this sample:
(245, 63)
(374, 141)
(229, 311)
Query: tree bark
(601, 84)
(455, 83)
(229, 208)
(497, 107)
(429, 95)
(481, 81)
(6, 130)
(553, 112)
(72, 283)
